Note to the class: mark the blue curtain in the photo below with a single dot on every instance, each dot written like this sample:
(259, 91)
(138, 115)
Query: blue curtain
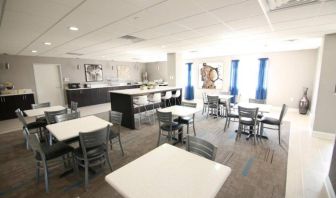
(189, 87)
(261, 92)
(234, 80)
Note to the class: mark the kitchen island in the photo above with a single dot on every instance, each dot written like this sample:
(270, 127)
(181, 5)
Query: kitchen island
(122, 101)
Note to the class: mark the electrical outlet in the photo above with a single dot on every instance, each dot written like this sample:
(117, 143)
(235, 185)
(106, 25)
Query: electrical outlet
(66, 79)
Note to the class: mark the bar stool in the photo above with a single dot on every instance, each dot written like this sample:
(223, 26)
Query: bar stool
(166, 97)
(155, 99)
(176, 96)
(141, 102)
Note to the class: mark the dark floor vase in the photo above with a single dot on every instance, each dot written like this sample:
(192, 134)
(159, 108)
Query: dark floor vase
(304, 103)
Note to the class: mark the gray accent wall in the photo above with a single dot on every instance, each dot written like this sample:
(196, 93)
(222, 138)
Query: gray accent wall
(157, 70)
(21, 71)
(325, 109)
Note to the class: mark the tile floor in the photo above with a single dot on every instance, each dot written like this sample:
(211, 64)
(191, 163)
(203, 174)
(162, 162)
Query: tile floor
(308, 159)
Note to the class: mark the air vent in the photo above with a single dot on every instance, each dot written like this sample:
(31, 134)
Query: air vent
(275, 5)
(133, 39)
(74, 54)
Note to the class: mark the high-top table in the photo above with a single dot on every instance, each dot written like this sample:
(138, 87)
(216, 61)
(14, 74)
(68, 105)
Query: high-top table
(168, 171)
(122, 101)
(40, 111)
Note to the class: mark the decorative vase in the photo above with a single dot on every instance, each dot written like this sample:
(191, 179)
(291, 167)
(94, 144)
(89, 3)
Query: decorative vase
(304, 103)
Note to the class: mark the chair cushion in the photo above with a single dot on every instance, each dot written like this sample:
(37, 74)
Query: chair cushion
(271, 121)
(184, 120)
(213, 106)
(175, 126)
(233, 115)
(246, 121)
(41, 120)
(91, 153)
(53, 151)
(113, 134)
(35, 125)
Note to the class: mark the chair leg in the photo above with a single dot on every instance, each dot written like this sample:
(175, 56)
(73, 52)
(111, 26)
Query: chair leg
(86, 178)
(187, 129)
(37, 172)
(158, 142)
(279, 132)
(108, 160)
(226, 121)
(111, 144)
(121, 148)
(46, 180)
(194, 128)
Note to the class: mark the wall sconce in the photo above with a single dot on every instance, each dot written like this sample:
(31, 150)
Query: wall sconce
(158, 67)
(112, 67)
(78, 67)
(7, 66)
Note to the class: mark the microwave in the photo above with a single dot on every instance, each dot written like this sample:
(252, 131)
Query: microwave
(74, 85)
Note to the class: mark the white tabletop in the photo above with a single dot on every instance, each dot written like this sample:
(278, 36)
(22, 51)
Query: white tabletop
(222, 96)
(264, 108)
(71, 128)
(182, 111)
(168, 171)
(138, 91)
(40, 111)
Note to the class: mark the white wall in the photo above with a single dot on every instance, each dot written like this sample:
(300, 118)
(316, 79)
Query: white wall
(157, 70)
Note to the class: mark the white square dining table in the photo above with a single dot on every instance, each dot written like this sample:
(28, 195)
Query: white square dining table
(168, 171)
(178, 110)
(40, 111)
(71, 128)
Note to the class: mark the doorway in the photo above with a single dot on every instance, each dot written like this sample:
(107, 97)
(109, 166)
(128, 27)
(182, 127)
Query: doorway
(48, 81)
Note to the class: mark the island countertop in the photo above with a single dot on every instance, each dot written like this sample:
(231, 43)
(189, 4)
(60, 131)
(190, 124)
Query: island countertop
(138, 91)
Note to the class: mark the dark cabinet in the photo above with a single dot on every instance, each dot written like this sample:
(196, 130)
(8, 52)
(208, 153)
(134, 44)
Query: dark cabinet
(8, 104)
(93, 96)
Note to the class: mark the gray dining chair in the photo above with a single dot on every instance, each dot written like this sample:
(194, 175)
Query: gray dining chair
(73, 106)
(27, 127)
(205, 102)
(201, 147)
(187, 120)
(274, 122)
(44, 153)
(68, 116)
(166, 124)
(40, 105)
(257, 101)
(230, 115)
(248, 119)
(51, 115)
(115, 118)
(93, 151)
(213, 105)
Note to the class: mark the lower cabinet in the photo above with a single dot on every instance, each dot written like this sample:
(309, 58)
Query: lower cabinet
(8, 104)
(93, 96)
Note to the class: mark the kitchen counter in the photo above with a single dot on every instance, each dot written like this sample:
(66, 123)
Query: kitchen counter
(110, 86)
(15, 94)
(138, 91)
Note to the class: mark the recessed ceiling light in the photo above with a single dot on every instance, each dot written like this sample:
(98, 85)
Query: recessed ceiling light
(34, 51)
(47, 43)
(73, 28)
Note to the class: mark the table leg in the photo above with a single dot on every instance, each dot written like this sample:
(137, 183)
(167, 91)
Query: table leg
(50, 138)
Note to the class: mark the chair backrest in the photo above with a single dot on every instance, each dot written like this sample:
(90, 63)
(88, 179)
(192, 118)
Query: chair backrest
(50, 115)
(94, 139)
(19, 114)
(205, 97)
(115, 117)
(251, 113)
(201, 147)
(35, 145)
(40, 105)
(73, 106)
(283, 112)
(257, 101)
(189, 104)
(213, 100)
(177, 93)
(68, 116)
(168, 95)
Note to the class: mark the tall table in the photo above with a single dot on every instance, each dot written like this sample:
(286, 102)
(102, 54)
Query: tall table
(71, 128)
(167, 172)
(122, 101)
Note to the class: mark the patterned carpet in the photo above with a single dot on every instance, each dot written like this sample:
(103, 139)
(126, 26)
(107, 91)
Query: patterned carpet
(257, 170)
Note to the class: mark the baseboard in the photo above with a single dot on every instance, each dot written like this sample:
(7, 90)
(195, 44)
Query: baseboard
(324, 135)
(329, 188)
